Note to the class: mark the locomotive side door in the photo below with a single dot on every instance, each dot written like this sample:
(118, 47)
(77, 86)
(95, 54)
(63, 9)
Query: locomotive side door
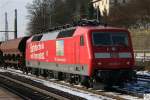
(79, 49)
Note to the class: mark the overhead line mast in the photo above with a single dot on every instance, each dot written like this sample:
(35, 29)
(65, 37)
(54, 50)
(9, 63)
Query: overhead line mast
(15, 26)
(6, 27)
(6, 31)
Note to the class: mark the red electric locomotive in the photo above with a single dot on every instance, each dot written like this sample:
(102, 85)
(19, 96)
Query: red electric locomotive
(82, 54)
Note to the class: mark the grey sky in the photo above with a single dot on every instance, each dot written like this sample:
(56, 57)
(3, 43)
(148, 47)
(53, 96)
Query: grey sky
(9, 6)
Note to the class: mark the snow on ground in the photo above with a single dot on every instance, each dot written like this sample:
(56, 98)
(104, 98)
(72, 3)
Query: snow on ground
(126, 97)
(74, 91)
(2, 70)
(147, 73)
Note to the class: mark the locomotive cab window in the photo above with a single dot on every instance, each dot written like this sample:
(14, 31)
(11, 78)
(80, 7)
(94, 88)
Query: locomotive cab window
(82, 40)
(66, 33)
(37, 38)
(110, 38)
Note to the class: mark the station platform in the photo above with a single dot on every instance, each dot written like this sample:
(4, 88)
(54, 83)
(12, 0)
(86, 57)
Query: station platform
(6, 95)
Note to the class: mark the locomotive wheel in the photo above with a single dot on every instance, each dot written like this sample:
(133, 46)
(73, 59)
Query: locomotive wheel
(69, 78)
(50, 74)
(5, 67)
(26, 70)
(23, 70)
(36, 72)
(45, 73)
(58, 75)
(77, 79)
(88, 82)
(85, 81)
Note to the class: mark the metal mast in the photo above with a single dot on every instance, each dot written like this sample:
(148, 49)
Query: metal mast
(15, 25)
(6, 27)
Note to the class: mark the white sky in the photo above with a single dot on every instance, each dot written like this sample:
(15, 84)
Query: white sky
(9, 6)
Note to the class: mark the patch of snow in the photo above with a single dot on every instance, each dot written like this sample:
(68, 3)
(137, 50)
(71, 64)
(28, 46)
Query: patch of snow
(126, 97)
(2, 70)
(147, 73)
(18, 71)
(74, 91)
(141, 82)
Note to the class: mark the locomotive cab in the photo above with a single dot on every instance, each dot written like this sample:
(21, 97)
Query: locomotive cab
(113, 57)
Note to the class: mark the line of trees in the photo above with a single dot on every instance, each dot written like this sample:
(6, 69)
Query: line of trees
(44, 14)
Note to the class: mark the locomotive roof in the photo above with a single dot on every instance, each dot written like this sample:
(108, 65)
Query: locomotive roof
(68, 32)
(101, 27)
(53, 34)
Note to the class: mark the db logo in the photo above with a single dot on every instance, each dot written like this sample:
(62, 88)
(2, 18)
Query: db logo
(146, 96)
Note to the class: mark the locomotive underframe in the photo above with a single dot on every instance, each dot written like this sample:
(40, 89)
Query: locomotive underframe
(72, 73)
(114, 76)
(68, 68)
(108, 77)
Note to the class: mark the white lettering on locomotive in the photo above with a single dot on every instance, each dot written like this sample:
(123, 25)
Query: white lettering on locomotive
(36, 47)
(60, 59)
(38, 56)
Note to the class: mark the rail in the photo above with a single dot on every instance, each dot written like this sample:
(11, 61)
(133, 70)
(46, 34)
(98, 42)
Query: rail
(50, 94)
(93, 91)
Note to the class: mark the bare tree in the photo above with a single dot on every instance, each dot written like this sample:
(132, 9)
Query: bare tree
(39, 15)
(44, 14)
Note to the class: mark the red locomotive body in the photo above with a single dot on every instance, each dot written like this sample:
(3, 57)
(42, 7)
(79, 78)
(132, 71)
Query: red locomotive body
(100, 52)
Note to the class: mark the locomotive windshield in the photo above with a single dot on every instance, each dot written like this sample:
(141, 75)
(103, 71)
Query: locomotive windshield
(110, 38)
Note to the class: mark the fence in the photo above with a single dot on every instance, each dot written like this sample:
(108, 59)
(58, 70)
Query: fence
(142, 55)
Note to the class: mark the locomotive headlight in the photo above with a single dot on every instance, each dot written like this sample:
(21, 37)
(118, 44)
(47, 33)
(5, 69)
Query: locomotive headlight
(128, 63)
(99, 63)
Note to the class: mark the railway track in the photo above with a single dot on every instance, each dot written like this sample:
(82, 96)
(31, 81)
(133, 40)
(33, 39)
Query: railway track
(138, 88)
(29, 90)
(126, 91)
(97, 92)
(144, 78)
